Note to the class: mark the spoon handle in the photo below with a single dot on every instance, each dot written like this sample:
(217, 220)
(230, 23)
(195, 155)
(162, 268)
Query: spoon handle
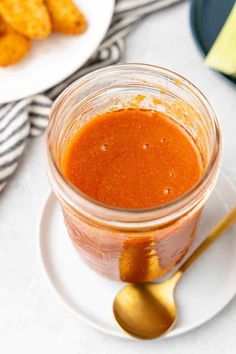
(214, 235)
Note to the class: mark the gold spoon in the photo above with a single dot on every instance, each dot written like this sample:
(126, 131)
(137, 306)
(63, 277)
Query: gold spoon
(148, 310)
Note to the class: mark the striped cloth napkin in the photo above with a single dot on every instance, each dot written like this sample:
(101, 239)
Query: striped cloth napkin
(29, 116)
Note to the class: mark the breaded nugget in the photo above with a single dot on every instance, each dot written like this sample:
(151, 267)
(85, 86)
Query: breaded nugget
(28, 17)
(13, 46)
(66, 17)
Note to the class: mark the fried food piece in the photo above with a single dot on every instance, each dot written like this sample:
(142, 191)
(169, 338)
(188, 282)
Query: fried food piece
(66, 17)
(28, 17)
(13, 46)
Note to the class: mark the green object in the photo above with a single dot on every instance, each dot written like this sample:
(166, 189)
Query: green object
(222, 56)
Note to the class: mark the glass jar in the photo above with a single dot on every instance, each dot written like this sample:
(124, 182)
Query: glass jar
(133, 245)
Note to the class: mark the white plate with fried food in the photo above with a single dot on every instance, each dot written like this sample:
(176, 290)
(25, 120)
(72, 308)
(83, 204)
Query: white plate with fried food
(42, 42)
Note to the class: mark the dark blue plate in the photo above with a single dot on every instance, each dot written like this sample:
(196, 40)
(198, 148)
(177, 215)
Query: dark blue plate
(207, 17)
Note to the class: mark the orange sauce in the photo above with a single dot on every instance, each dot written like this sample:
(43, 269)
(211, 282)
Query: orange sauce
(132, 158)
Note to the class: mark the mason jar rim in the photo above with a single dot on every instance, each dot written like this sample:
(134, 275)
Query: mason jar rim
(128, 217)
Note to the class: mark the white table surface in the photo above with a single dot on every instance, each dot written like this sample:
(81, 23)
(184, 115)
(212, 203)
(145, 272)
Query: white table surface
(32, 318)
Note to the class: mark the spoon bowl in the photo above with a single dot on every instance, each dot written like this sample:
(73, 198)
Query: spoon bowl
(147, 310)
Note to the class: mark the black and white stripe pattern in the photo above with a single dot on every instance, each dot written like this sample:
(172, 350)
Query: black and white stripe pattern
(28, 117)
